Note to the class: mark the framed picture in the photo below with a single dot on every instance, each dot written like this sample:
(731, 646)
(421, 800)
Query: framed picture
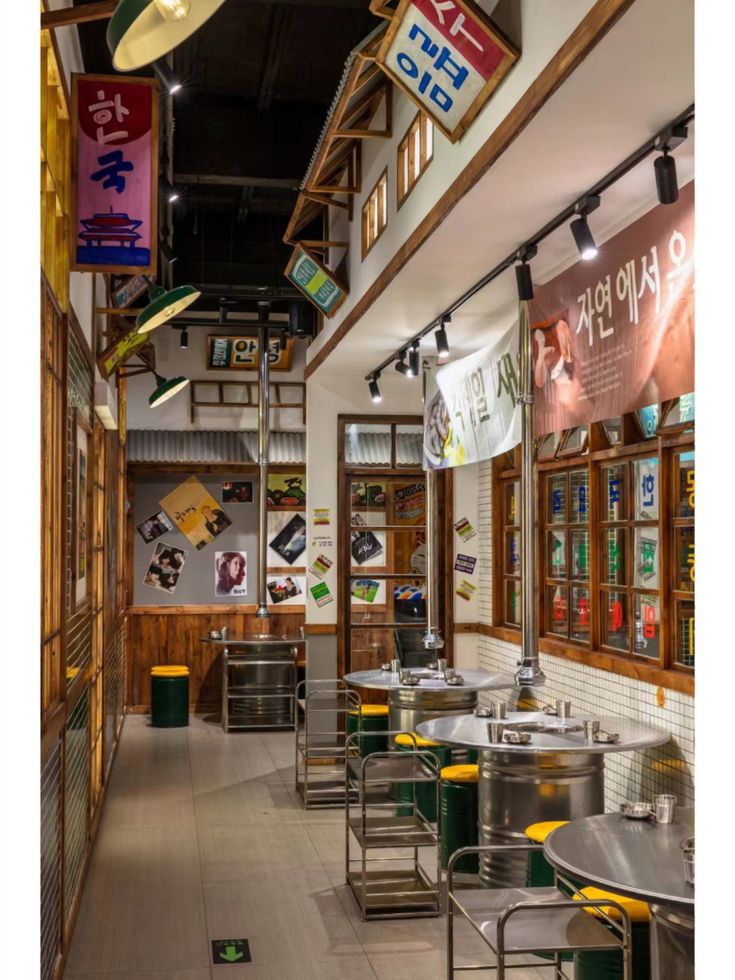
(80, 510)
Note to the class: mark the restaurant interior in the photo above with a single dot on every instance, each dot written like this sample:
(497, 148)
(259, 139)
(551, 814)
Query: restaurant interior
(367, 422)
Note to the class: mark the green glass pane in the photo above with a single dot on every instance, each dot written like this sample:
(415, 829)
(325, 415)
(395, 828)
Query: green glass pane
(614, 551)
(580, 545)
(513, 602)
(646, 558)
(556, 563)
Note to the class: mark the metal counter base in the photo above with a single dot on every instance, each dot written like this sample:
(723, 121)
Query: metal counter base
(672, 943)
(408, 707)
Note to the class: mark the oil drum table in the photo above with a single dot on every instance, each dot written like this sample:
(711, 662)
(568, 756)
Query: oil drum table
(639, 859)
(558, 775)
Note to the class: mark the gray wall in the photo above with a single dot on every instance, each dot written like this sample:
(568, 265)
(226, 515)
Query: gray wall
(196, 582)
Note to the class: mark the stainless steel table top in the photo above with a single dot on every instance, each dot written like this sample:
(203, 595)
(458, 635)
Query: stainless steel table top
(638, 858)
(255, 641)
(474, 680)
(471, 732)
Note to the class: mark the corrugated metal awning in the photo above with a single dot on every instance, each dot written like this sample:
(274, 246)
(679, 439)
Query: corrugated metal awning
(218, 446)
(373, 448)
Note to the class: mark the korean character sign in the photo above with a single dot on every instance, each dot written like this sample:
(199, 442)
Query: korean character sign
(617, 334)
(448, 57)
(114, 212)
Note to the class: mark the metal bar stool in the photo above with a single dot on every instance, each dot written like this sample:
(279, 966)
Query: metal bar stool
(528, 921)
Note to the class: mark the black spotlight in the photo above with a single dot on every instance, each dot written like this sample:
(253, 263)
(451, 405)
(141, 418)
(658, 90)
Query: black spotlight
(402, 367)
(667, 186)
(374, 389)
(414, 361)
(442, 344)
(184, 339)
(524, 282)
(583, 238)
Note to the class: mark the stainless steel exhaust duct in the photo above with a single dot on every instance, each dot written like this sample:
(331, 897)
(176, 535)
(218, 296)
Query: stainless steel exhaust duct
(263, 437)
(433, 639)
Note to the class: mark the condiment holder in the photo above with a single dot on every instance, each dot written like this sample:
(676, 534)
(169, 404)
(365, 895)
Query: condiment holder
(215, 634)
(606, 738)
(516, 738)
(385, 667)
(636, 811)
(481, 712)
(409, 679)
(455, 681)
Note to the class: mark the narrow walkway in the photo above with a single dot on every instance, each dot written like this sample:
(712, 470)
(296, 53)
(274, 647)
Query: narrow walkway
(203, 837)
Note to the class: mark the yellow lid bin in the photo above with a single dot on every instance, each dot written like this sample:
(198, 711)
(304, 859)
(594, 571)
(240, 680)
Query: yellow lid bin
(169, 671)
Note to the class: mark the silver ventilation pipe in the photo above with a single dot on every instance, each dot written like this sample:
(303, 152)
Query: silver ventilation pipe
(263, 436)
(432, 637)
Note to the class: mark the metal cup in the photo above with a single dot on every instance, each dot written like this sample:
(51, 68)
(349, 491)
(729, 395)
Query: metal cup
(441, 664)
(403, 675)
(664, 808)
(564, 709)
(591, 727)
(449, 673)
(687, 854)
(499, 709)
(495, 730)
(395, 666)
(225, 631)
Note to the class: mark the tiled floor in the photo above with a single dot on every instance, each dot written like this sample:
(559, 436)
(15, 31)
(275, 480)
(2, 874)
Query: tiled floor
(203, 837)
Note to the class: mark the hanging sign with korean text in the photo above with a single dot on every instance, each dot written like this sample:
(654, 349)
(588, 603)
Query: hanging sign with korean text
(448, 57)
(232, 353)
(471, 406)
(315, 281)
(114, 213)
(616, 334)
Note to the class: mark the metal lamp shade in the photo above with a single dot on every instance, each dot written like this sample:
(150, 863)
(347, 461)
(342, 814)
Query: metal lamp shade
(137, 33)
(166, 389)
(165, 306)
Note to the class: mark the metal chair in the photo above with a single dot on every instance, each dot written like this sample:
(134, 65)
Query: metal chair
(321, 741)
(528, 921)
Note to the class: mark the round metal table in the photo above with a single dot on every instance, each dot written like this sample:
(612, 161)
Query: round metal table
(641, 859)
(432, 697)
(558, 775)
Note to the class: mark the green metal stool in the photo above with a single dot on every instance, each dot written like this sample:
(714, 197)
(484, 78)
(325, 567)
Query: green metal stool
(539, 873)
(425, 792)
(608, 964)
(372, 718)
(169, 697)
(458, 808)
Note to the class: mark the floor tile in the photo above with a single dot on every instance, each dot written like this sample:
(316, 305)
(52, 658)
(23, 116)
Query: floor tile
(200, 974)
(251, 850)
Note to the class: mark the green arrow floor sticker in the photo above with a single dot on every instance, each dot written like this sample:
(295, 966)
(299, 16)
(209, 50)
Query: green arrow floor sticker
(230, 951)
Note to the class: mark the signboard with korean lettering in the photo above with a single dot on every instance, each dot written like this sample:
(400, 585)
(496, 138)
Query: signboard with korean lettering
(315, 281)
(119, 351)
(448, 57)
(617, 334)
(471, 406)
(235, 353)
(114, 212)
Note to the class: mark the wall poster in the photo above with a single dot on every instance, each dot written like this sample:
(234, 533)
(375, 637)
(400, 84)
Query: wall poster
(164, 568)
(114, 205)
(286, 491)
(195, 512)
(230, 573)
(286, 538)
(286, 589)
(617, 334)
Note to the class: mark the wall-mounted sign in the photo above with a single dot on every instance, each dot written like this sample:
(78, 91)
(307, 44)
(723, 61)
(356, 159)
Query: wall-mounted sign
(231, 353)
(119, 351)
(315, 281)
(448, 57)
(617, 334)
(114, 208)
(127, 293)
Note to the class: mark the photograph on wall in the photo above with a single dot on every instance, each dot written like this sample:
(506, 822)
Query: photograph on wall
(321, 594)
(410, 502)
(368, 494)
(237, 492)
(366, 547)
(165, 568)
(286, 491)
(154, 526)
(286, 589)
(195, 512)
(286, 537)
(81, 488)
(231, 573)
(367, 590)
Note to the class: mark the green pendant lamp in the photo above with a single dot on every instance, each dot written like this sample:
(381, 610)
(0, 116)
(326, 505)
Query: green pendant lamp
(140, 31)
(165, 389)
(164, 306)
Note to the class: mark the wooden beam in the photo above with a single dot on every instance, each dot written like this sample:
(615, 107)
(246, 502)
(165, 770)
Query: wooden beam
(225, 180)
(327, 202)
(102, 10)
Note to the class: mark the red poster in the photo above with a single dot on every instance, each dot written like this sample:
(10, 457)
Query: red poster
(114, 186)
(617, 333)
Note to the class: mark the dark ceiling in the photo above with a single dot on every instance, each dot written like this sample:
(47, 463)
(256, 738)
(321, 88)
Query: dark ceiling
(258, 80)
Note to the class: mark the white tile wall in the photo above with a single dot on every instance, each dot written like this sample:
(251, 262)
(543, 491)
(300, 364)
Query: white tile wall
(634, 775)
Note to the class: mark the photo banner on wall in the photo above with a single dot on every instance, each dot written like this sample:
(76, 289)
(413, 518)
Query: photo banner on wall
(114, 212)
(471, 412)
(617, 333)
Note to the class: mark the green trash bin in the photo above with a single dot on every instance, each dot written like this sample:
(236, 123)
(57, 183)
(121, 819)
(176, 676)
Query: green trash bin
(372, 719)
(169, 697)
(425, 792)
(608, 964)
(458, 808)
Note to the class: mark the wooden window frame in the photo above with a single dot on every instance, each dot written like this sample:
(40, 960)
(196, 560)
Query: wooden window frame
(404, 186)
(667, 445)
(372, 201)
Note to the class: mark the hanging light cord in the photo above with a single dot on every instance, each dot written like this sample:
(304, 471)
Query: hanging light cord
(653, 144)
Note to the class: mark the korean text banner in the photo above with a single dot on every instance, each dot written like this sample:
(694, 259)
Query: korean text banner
(616, 334)
(474, 413)
(115, 161)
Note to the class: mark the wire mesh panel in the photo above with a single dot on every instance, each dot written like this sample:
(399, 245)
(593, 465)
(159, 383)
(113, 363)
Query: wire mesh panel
(113, 681)
(76, 797)
(50, 861)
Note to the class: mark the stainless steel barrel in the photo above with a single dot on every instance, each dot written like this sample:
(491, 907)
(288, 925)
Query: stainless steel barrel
(672, 943)
(409, 706)
(518, 789)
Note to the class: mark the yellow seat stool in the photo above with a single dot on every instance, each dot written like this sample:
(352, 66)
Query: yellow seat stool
(608, 964)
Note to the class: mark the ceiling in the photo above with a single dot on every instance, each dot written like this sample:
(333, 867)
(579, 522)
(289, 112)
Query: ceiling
(258, 79)
(597, 118)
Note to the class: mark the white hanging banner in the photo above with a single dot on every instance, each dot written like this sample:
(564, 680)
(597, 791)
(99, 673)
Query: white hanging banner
(471, 408)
